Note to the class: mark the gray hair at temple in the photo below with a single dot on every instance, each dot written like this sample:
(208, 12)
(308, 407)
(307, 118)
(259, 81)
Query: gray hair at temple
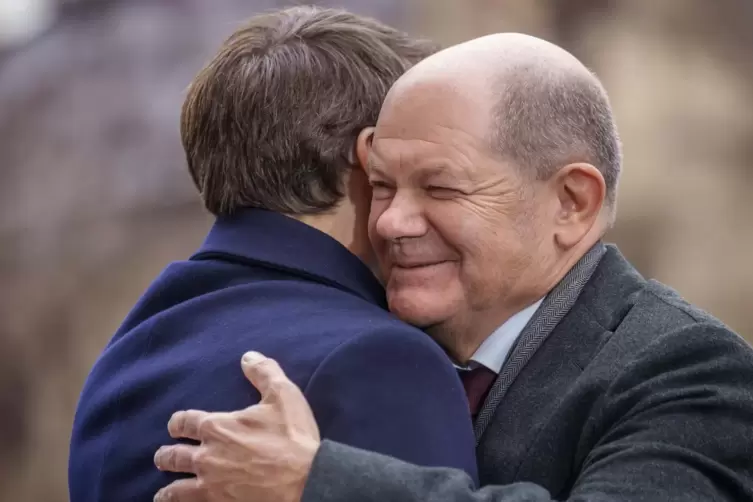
(549, 116)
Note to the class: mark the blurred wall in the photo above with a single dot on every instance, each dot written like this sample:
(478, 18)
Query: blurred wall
(95, 201)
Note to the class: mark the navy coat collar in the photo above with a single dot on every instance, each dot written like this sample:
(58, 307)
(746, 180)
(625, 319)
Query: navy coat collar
(270, 239)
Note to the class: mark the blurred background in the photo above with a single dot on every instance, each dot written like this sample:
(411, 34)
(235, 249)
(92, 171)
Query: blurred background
(95, 199)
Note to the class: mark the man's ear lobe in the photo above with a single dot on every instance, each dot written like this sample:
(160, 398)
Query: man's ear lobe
(363, 147)
(581, 191)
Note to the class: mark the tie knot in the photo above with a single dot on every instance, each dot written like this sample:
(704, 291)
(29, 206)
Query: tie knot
(477, 382)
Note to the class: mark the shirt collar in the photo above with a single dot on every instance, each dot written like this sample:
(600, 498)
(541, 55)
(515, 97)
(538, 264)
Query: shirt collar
(277, 241)
(492, 353)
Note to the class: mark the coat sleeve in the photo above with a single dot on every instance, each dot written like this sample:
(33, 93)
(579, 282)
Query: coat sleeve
(395, 392)
(676, 425)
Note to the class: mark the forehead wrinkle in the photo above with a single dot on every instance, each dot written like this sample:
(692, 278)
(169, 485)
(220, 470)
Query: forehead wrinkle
(453, 160)
(452, 128)
(396, 153)
(433, 160)
(449, 132)
(453, 138)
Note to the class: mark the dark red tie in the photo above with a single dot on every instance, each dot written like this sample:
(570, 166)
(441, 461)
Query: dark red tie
(477, 383)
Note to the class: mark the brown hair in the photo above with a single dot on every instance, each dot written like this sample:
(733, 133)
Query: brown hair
(272, 120)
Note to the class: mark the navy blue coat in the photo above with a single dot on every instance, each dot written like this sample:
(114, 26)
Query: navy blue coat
(264, 282)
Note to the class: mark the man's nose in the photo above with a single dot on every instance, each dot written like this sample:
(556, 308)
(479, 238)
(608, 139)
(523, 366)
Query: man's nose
(403, 218)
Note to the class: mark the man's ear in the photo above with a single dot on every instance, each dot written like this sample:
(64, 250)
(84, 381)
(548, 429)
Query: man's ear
(581, 193)
(363, 147)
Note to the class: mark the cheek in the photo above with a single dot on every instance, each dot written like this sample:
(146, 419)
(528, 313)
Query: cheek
(450, 220)
(377, 209)
(469, 233)
(481, 266)
(488, 249)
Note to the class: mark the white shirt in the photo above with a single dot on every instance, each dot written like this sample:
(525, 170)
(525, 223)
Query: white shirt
(493, 352)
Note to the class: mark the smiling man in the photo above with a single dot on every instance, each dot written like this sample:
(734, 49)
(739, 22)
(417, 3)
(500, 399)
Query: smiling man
(494, 166)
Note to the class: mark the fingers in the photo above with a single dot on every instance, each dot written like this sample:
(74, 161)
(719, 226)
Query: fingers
(264, 373)
(176, 458)
(186, 424)
(183, 490)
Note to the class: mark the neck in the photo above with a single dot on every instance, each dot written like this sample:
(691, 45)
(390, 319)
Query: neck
(341, 225)
(330, 224)
(461, 337)
(326, 223)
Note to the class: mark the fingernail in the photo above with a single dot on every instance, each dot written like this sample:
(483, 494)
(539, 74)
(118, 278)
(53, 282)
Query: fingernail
(252, 357)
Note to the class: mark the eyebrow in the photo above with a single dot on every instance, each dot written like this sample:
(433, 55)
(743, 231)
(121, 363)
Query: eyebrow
(422, 173)
(434, 170)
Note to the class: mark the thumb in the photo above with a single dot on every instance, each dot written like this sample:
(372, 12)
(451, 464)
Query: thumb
(262, 371)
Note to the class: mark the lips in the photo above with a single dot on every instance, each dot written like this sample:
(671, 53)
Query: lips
(414, 265)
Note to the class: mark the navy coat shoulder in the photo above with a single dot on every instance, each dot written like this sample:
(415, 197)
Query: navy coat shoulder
(264, 282)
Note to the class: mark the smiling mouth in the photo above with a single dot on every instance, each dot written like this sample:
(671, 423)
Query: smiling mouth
(419, 265)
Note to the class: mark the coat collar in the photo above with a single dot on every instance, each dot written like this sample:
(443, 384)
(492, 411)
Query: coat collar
(272, 240)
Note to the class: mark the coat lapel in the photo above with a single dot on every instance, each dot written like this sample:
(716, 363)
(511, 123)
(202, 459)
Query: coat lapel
(554, 307)
(535, 430)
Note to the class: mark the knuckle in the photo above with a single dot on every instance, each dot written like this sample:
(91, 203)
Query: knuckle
(285, 392)
(251, 420)
(198, 457)
(169, 456)
(206, 426)
(267, 368)
(270, 365)
(278, 384)
(200, 463)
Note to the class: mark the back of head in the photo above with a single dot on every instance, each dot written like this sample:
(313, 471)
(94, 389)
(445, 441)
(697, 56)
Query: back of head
(272, 120)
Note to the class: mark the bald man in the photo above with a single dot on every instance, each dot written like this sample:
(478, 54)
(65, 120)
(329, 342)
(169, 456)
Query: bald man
(494, 167)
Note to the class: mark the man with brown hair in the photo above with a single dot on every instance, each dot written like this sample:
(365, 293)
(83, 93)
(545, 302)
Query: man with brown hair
(275, 131)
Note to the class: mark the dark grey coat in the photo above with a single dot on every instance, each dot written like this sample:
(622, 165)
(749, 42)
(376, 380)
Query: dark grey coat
(632, 394)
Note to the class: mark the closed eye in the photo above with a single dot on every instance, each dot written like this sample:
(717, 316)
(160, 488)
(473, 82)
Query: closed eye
(440, 191)
(381, 189)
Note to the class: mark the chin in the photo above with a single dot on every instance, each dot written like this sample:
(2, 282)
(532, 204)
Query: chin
(420, 312)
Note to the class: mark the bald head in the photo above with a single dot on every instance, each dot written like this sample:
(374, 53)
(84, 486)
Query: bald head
(493, 56)
(543, 109)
